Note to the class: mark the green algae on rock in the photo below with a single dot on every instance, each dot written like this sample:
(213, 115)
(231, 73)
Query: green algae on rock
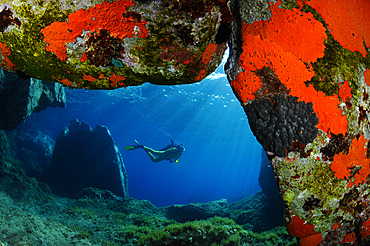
(131, 43)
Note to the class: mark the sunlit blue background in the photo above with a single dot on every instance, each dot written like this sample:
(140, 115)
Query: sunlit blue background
(222, 157)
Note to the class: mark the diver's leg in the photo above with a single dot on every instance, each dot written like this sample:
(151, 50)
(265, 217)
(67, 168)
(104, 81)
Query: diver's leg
(150, 150)
(154, 159)
(150, 156)
(132, 147)
(150, 153)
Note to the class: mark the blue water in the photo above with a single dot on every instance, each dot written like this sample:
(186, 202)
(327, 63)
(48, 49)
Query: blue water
(222, 157)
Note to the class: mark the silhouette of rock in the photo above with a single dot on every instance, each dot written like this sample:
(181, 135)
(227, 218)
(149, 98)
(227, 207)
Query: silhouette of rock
(83, 157)
(20, 97)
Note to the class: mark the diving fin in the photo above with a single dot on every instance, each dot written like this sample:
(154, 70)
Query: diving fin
(129, 147)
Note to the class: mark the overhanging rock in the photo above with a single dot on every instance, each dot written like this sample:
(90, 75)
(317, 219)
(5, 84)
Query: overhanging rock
(301, 71)
(98, 44)
(19, 98)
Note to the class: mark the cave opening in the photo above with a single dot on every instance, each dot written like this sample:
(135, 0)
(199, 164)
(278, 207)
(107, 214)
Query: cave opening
(222, 157)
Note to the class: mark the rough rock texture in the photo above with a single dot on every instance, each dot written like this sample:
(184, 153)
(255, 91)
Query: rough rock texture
(301, 71)
(14, 180)
(33, 148)
(198, 211)
(83, 157)
(280, 121)
(254, 213)
(4, 144)
(109, 44)
(20, 97)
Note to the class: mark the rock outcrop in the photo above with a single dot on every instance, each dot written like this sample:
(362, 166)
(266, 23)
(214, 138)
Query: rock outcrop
(301, 72)
(198, 211)
(83, 157)
(21, 97)
(110, 44)
(254, 213)
(33, 148)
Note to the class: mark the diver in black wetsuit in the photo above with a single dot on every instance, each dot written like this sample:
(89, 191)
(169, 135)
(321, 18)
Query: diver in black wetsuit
(171, 152)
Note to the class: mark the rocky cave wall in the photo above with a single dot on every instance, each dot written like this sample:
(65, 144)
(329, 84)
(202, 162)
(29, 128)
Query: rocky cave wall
(302, 76)
(299, 68)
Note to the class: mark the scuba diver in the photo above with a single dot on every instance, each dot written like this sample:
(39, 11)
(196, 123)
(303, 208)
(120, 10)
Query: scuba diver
(171, 152)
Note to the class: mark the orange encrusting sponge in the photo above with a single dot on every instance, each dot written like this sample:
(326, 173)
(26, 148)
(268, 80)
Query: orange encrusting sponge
(349, 21)
(288, 42)
(5, 62)
(107, 16)
(206, 57)
(355, 164)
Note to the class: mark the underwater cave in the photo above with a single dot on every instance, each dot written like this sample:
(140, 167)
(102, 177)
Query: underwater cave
(229, 122)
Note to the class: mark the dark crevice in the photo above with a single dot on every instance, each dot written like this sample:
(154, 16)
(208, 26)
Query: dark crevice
(223, 33)
(6, 19)
(236, 41)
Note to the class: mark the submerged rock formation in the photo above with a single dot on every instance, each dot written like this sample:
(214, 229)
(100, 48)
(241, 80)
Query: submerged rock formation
(31, 215)
(110, 44)
(301, 71)
(255, 213)
(198, 211)
(33, 148)
(19, 97)
(83, 157)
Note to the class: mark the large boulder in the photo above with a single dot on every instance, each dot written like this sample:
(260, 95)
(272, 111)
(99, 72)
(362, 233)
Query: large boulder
(301, 72)
(83, 157)
(110, 44)
(19, 97)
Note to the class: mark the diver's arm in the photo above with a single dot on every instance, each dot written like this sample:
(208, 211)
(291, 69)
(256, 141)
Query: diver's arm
(177, 156)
